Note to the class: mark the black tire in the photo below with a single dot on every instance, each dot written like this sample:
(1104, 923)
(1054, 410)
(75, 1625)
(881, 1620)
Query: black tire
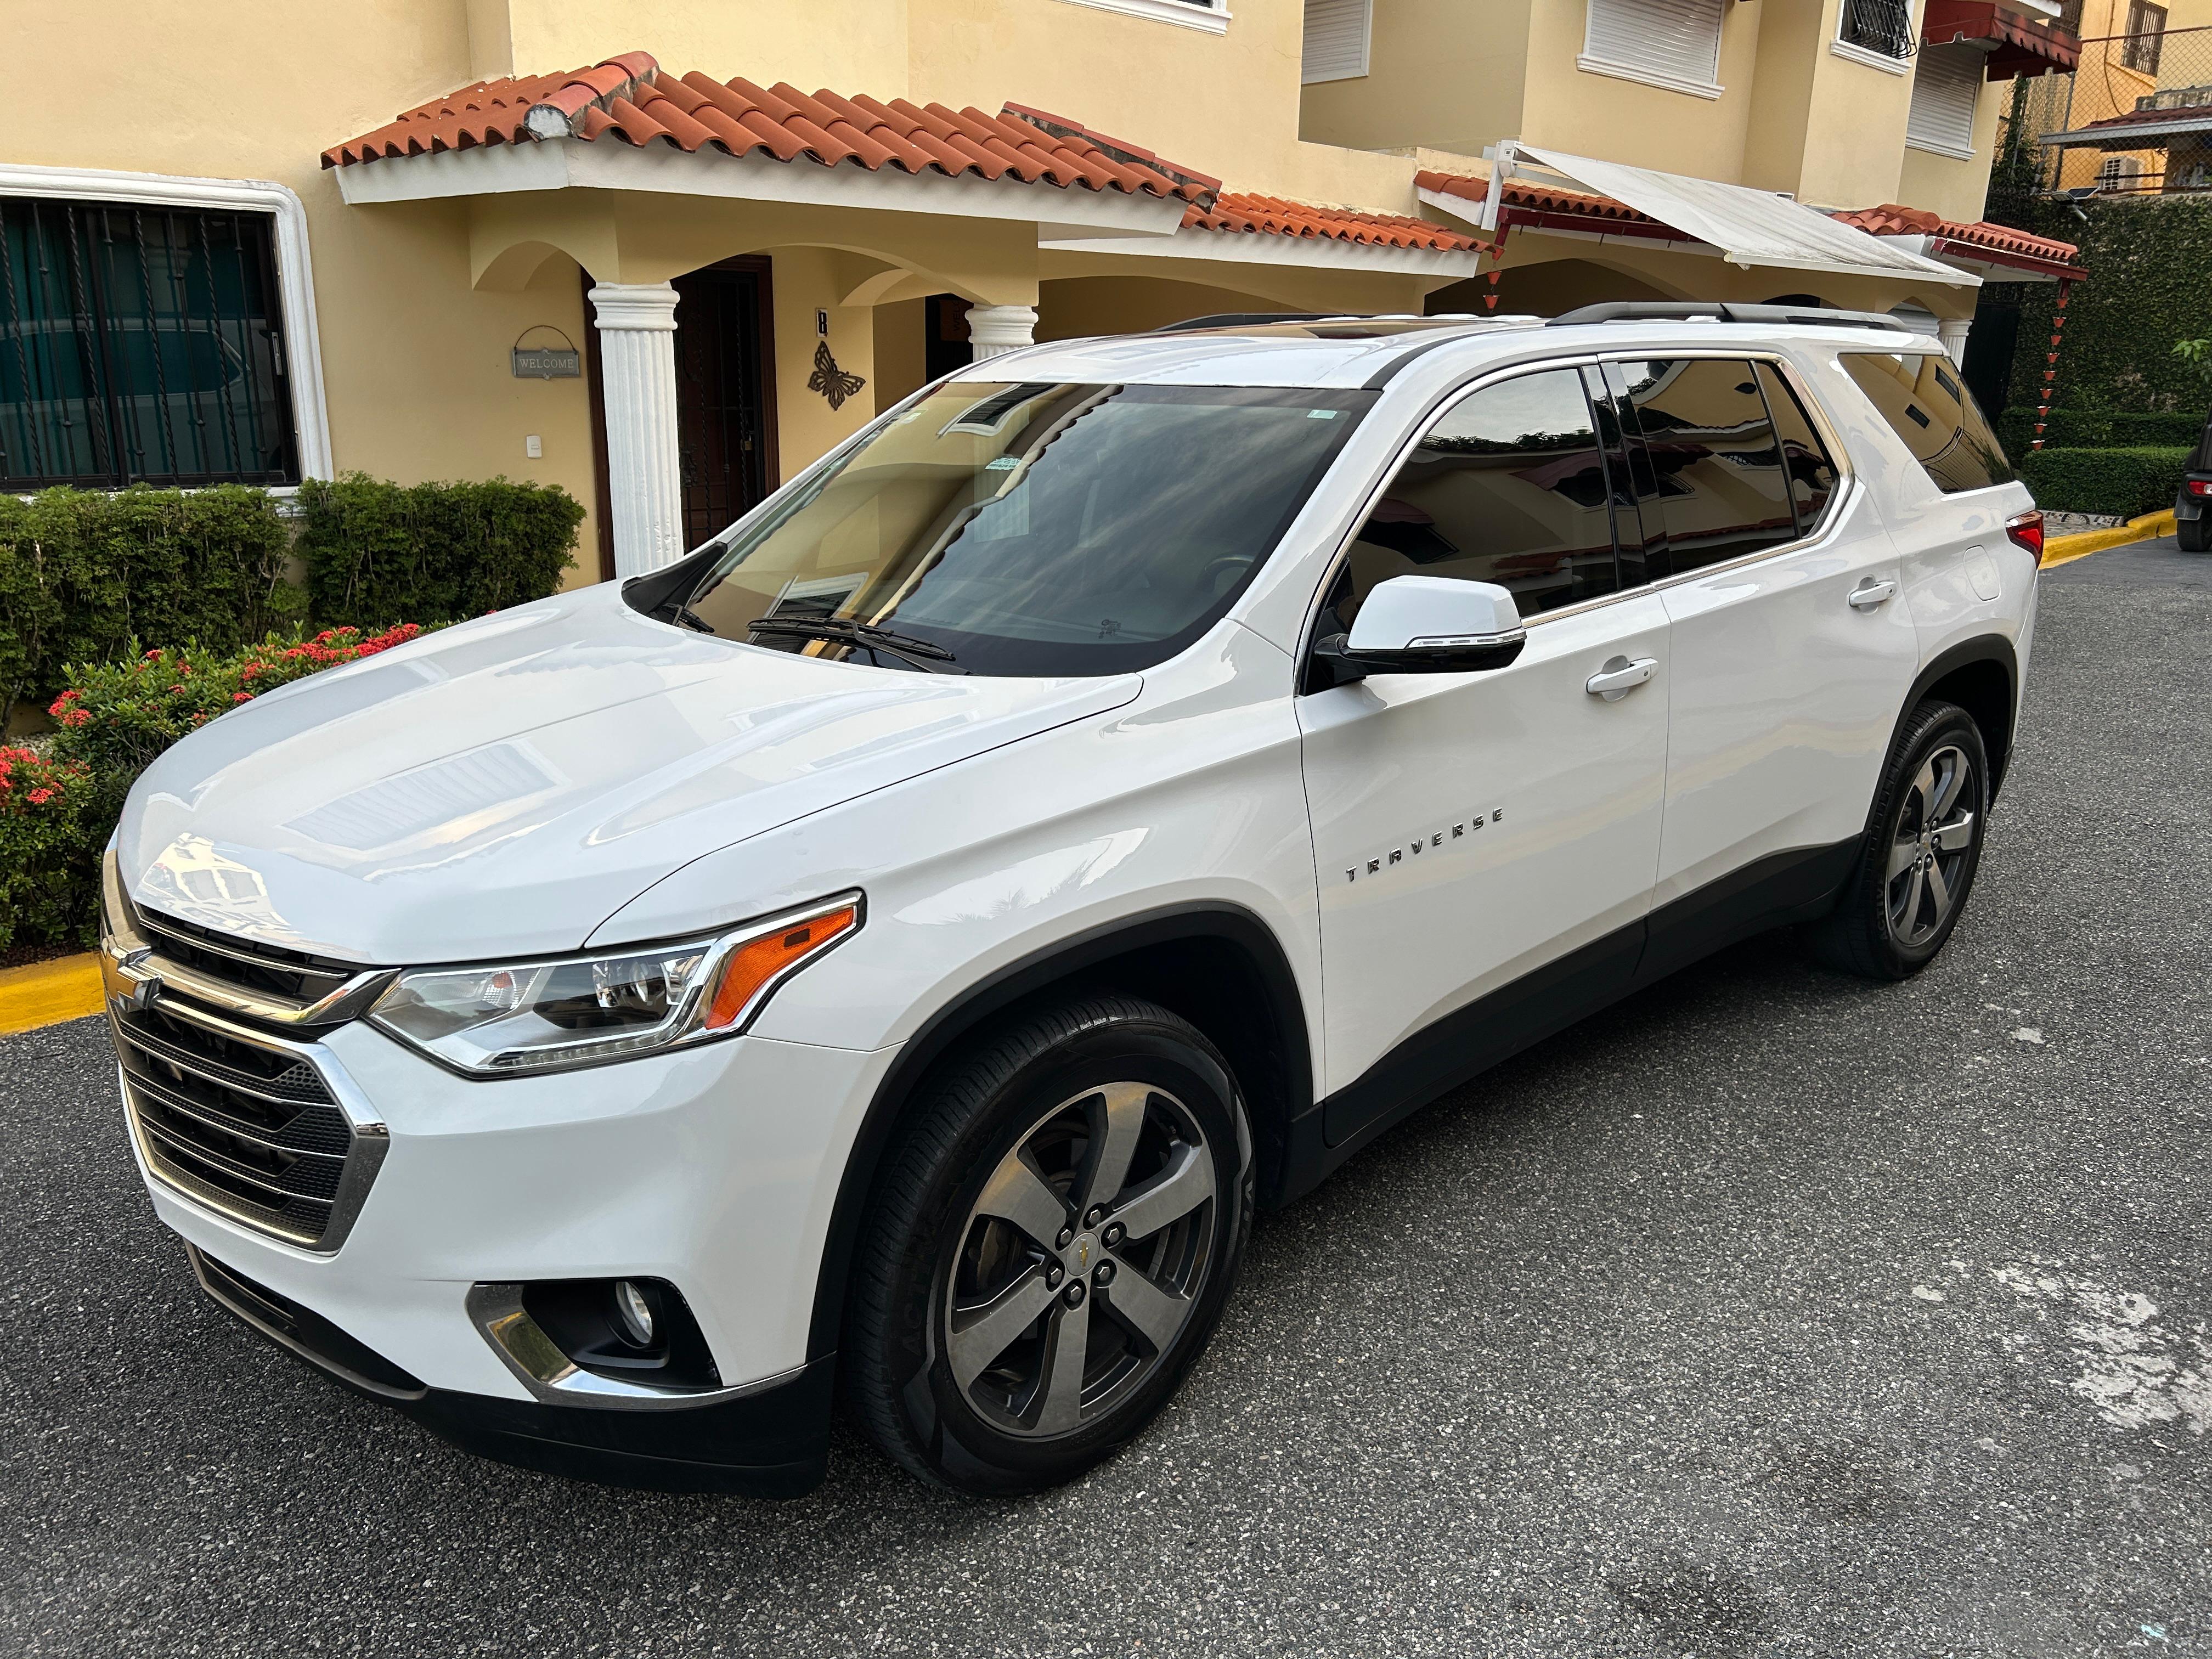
(1037, 1093)
(2195, 535)
(1887, 924)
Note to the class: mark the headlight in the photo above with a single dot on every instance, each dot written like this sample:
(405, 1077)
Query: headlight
(578, 1011)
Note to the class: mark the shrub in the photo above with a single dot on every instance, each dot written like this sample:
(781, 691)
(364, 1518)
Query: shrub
(2125, 481)
(58, 809)
(116, 718)
(83, 572)
(2099, 429)
(436, 552)
(48, 850)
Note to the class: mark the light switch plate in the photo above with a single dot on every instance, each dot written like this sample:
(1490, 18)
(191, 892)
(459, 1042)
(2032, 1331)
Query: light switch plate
(533, 448)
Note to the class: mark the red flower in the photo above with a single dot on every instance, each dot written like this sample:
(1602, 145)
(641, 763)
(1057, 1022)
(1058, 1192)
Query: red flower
(40, 797)
(241, 697)
(249, 671)
(76, 716)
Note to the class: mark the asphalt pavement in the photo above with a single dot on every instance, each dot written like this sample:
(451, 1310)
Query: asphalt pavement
(1772, 1313)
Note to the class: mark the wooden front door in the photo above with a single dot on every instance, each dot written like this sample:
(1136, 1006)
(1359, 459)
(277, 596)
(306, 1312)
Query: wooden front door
(725, 393)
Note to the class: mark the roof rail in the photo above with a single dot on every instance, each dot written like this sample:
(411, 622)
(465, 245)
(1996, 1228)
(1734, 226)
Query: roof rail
(1245, 319)
(1652, 311)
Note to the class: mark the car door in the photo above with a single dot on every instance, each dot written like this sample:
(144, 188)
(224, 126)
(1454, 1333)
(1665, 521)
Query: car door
(1485, 842)
(1792, 646)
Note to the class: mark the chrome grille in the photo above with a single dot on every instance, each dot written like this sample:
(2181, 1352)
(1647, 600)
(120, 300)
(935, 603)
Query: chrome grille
(249, 1125)
(262, 970)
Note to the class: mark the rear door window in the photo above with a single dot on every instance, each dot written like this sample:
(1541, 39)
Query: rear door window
(1510, 487)
(1928, 405)
(1804, 457)
(1722, 487)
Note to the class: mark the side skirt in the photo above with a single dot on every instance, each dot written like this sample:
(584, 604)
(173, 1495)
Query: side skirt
(1776, 891)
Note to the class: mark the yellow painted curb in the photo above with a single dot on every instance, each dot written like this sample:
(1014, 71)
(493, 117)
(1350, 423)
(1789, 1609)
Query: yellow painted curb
(2065, 550)
(47, 992)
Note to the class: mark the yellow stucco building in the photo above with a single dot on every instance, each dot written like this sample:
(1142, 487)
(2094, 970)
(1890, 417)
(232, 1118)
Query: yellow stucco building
(663, 256)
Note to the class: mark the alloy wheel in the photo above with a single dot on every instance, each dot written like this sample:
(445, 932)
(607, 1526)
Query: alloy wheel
(1081, 1260)
(1935, 830)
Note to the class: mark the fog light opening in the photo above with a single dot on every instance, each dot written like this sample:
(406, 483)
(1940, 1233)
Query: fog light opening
(634, 1313)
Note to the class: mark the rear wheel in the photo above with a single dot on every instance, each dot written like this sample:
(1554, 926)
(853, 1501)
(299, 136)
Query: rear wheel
(1051, 1246)
(1923, 845)
(2195, 535)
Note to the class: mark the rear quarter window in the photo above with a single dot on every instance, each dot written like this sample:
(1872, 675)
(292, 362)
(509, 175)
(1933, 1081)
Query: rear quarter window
(1928, 406)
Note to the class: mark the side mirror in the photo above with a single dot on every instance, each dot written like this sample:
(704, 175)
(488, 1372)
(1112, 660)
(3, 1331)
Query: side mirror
(1426, 625)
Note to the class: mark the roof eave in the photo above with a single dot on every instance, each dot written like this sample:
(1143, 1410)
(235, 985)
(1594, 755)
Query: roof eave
(609, 164)
(1261, 247)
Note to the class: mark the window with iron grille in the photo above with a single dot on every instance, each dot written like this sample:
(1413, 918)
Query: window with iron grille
(2146, 38)
(140, 344)
(1881, 27)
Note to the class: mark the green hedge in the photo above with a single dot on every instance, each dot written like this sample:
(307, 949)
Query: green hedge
(2125, 481)
(2099, 428)
(2148, 260)
(83, 573)
(380, 553)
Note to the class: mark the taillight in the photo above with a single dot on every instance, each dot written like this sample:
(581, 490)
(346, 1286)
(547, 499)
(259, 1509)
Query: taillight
(2200, 486)
(2026, 531)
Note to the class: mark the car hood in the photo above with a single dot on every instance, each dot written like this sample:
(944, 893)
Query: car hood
(503, 787)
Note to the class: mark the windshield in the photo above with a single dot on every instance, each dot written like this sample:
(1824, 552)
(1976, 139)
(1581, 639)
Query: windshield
(1030, 529)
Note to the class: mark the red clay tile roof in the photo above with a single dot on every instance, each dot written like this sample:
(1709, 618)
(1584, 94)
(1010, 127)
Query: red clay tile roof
(634, 100)
(1892, 219)
(2022, 44)
(1205, 185)
(1272, 215)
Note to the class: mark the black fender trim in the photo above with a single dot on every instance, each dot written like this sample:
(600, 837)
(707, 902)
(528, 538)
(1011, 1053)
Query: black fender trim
(1061, 961)
(1983, 647)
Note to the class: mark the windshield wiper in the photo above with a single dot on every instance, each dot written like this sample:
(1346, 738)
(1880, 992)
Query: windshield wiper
(933, 659)
(691, 619)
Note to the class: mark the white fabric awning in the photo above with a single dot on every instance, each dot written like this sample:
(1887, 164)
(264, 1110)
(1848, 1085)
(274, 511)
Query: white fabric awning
(1749, 226)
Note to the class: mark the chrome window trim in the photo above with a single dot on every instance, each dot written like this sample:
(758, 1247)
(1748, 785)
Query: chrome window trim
(1823, 428)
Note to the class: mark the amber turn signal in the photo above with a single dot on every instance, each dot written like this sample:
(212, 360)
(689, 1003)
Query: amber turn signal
(755, 967)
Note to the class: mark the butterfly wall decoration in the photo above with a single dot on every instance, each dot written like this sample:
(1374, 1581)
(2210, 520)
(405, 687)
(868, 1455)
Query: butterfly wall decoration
(831, 381)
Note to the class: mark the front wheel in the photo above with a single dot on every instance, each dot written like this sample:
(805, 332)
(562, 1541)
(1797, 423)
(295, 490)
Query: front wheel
(1924, 843)
(1051, 1248)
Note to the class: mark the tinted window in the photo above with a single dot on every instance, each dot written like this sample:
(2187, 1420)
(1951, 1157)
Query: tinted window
(1034, 529)
(1721, 489)
(1812, 473)
(1508, 486)
(1930, 408)
(1639, 523)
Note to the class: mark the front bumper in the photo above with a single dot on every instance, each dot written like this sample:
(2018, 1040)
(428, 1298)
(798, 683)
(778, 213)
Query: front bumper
(715, 1170)
(770, 1440)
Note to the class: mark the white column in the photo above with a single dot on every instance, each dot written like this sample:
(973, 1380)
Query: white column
(994, 329)
(637, 388)
(1952, 331)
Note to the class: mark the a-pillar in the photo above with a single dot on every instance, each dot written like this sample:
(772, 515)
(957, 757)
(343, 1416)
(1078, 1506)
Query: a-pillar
(637, 388)
(994, 330)
(1952, 331)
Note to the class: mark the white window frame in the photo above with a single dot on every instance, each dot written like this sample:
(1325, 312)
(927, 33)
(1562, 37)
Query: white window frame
(1366, 51)
(1931, 145)
(1853, 53)
(1207, 20)
(296, 279)
(1646, 75)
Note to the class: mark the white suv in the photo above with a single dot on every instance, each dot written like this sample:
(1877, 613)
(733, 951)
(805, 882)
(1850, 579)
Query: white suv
(899, 946)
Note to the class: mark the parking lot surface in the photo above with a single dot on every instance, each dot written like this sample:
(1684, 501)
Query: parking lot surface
(1772, 1313)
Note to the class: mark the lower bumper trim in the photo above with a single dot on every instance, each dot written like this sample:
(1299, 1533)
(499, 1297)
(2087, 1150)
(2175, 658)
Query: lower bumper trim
(769, 1443)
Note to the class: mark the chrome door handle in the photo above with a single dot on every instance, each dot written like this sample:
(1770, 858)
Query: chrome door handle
(1620, 677)
(1871, 594)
